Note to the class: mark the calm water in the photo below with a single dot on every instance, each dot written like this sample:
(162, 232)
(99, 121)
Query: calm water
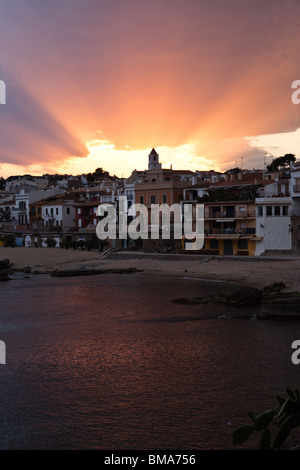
(109, 362)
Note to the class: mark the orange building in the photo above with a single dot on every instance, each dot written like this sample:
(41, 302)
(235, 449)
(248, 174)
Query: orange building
(161, 186)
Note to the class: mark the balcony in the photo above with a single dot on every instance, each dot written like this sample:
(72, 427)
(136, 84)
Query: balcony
(231, 215)
(230, 231)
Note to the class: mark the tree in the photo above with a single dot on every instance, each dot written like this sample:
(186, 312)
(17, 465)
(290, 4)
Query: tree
(282, 163)
(98, 174)
(233, 171)
(2, 183)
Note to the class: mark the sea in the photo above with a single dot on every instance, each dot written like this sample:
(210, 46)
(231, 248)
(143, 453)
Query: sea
(110, 362)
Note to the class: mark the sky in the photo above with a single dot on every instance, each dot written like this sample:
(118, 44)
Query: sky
(99, 83)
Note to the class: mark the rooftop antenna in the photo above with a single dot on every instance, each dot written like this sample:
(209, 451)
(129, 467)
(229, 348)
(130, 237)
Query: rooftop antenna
(242, 158)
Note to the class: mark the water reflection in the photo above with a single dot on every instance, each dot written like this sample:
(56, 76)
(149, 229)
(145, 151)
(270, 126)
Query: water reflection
(100, 363)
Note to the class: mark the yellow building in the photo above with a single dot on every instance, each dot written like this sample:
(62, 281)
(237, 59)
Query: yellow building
(230, 219)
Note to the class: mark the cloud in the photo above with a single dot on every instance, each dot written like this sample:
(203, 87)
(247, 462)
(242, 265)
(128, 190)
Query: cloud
(29, 133)
(147, 74)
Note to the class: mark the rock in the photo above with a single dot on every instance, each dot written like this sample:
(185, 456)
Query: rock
(4, 263)
(4, 269)
(89, 272)
(26, 269)
(279, 312)
(245, 296)
(190, 301)
(274, 288)
(281, 306)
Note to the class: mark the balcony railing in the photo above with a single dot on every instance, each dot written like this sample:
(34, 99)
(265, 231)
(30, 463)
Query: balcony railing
(231, 215)
(241, 231)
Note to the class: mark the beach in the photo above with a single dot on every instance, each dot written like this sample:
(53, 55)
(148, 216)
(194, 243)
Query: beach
(255, 272)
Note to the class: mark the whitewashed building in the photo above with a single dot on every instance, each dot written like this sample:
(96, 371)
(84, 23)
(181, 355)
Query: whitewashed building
(58, 214)
(273, 225)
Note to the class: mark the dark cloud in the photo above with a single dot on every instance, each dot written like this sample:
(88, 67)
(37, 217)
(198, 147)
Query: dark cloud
(29, 133)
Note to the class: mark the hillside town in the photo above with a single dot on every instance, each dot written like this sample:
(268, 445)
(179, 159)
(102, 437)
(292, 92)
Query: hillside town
(246, 212)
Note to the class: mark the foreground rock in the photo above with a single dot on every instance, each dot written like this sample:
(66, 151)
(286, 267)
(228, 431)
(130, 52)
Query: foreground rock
(4, 269)
(265, 304)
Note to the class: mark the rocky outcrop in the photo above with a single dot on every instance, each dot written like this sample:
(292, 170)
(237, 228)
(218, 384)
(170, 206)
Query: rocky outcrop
(269, 303)
(88, 272)
(280, 306)
(4, 269)
(244, 297)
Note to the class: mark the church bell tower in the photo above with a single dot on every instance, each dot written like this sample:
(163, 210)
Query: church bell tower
(153, 161)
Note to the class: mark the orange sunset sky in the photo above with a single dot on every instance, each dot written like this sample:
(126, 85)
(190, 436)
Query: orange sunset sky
(98, 83)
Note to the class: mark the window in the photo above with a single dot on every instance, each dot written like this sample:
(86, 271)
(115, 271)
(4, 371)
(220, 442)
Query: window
(47, 210)
(216, 211)
(269, 211)
(164, 199)
(51, 210)
(242, 209)
(213, 244)
(153, 180)
(79, 210)
(57, 211)
(285, 210)
(277, 210)
(141, 199)
(242, 244)
(68, 210)
(259, 211)
(152, 199)
(39, 210)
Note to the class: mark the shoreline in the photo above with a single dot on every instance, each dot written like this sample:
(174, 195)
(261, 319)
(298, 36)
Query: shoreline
(267, 289)
(258, 272)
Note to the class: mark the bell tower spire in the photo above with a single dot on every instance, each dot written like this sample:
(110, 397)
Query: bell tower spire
(153, 160)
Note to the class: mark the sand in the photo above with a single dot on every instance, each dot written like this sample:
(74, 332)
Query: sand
(248, 271)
